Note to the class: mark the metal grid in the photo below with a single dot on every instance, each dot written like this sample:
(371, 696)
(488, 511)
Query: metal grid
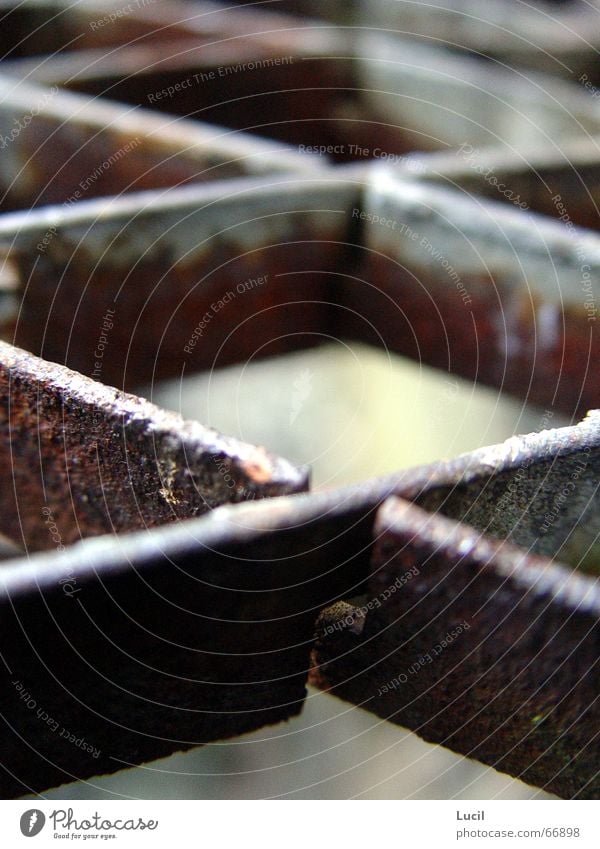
(204, 628)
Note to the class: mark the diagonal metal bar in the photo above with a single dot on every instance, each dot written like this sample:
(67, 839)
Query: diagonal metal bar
(473, 644)
(482, 636)
(82, 459)
(250, 581)
(75, 148)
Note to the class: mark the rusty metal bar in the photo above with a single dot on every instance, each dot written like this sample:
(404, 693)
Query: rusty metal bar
(455, 281)
(561, 39)
(75, 148)
(443, 100)
(475, 645)
(516, 687)
(201, 44)
(365, 100)
(83, 459)
(199, 277)
(128, 647)
(250, 580)
(480, 289)
(564, 184)
(53, 27)
(124, 650)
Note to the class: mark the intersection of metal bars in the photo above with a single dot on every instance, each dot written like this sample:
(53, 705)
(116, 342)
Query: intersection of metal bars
(169, 633)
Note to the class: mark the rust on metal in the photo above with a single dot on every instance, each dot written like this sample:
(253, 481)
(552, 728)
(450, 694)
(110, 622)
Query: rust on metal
(75, 148)
(563, 182)
(246, 584)
(473, 644)
(458, 598)
(464, 286)
(199, 279)
(363, 103)
(563, 43)
(98, 461)
(154, 642)
(446, 270)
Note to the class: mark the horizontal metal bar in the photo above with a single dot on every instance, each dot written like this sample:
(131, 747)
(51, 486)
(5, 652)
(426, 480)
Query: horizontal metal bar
(372, 95)
(564, 184)
(452, 280)
(127, 649)
(199, 277)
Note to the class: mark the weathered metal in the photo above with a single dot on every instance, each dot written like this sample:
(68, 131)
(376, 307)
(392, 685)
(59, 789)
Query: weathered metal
(563, 183)
(272, 267)
(371, 95)
(122, 650)
(558, 38)
(128, 647)
(476, 645)
(516, 686)
(199, 277)
(561, 39)
(481, 289)
(202, 48)
(86, 634)
(87, 459)
(75, 148)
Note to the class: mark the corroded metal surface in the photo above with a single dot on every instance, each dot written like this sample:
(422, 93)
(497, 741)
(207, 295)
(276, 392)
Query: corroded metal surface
(563, 183)
(201, 47)
(82, 459)
(560, 38)
(457, 282)
(126, 648)
(200, 278)
(500, 296)
(75, 148)
(121, 651)
(475, 645)
(246, 584)
(363, 101)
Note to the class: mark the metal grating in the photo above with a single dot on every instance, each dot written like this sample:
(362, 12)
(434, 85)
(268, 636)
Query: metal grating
(133, 228)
